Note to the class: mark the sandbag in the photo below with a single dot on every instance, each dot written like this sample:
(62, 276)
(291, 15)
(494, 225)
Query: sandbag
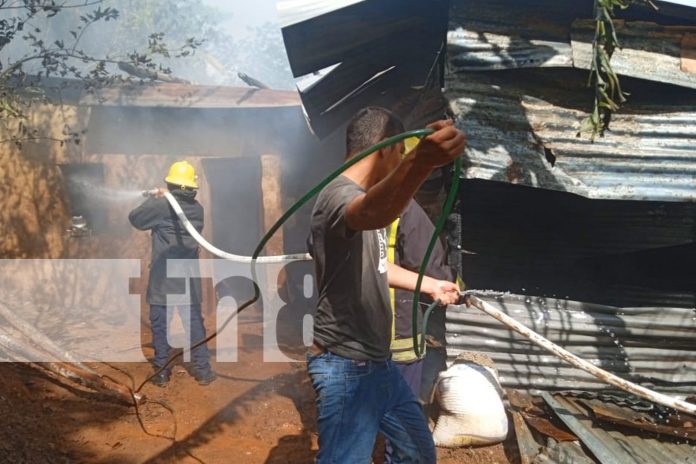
(471, 408)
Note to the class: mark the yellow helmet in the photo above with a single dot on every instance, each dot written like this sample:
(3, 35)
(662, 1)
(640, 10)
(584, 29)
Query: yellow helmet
(182, 174)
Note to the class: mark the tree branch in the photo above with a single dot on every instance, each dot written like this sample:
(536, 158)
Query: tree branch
(51, 7)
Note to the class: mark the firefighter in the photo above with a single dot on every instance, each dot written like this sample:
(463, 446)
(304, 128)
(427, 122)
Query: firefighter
(170, 243)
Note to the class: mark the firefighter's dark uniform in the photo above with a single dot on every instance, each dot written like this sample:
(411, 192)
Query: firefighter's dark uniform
(171, 241)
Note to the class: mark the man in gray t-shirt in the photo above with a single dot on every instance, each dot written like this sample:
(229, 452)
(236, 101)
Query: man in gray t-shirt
(359, 390)
(352, 270)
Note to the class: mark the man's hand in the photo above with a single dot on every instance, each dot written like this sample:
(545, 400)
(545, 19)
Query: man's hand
(445, 291)
(442, 146)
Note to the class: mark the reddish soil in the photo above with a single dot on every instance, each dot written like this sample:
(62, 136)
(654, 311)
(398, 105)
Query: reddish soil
(255, 413)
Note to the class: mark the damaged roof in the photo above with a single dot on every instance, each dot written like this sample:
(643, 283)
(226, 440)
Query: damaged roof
(649, 51)
(517, 137)
(504, 34)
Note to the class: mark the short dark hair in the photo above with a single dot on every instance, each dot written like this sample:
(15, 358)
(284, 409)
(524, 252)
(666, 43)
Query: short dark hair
(369, 126)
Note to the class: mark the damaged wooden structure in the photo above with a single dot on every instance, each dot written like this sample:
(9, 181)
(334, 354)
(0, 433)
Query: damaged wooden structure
(250, 147)
(68, 203)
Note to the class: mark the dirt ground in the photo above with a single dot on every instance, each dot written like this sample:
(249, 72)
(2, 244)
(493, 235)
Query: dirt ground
(255, 413)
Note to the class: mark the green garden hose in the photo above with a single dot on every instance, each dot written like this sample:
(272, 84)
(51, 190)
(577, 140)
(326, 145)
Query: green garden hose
(419, 348)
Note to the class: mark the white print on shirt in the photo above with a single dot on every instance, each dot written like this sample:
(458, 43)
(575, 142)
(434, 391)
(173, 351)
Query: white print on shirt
(382, 240)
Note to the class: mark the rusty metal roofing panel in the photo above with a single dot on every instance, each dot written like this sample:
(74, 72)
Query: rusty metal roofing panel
(514, 136)
(649, 51)
(654, 347)
(613, 445)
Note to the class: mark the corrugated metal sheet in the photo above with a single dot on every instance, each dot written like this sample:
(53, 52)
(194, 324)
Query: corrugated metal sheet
(648, 51)
(612, 445)
(469, 50)
(647, 155)
(506, 34)
(651, 346)
(500, 34)
(532, 19)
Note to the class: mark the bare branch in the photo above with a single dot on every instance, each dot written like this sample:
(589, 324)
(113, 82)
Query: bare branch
(52, 7)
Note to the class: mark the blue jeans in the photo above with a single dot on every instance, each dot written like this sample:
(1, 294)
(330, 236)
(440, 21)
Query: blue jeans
(194, 329)
(435, 361)
(358, 399)
(412, 374)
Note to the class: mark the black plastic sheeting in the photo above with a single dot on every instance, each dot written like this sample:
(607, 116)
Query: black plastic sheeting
(546, 243)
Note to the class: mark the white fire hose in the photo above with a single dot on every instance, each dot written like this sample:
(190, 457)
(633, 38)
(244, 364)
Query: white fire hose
(218, 252)
(569, 357)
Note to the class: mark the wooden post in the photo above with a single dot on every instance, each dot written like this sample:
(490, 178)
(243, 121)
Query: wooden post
(272, 201)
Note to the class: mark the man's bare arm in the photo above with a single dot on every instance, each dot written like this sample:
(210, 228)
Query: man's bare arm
(443, 290)
(384, 201)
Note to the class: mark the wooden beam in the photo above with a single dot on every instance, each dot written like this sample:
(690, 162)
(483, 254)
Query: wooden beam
(272, 201)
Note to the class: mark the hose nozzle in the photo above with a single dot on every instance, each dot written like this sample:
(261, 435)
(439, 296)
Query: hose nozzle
(150, 193)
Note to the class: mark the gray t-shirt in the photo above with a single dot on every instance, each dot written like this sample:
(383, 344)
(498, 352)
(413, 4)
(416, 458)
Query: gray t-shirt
(353, 316)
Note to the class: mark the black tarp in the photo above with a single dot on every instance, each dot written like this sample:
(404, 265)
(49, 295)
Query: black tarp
(556, 244)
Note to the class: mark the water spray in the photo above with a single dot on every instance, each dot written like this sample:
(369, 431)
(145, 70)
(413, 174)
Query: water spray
(90, 188)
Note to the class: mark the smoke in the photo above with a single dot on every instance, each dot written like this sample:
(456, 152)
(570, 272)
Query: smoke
(235, 37)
